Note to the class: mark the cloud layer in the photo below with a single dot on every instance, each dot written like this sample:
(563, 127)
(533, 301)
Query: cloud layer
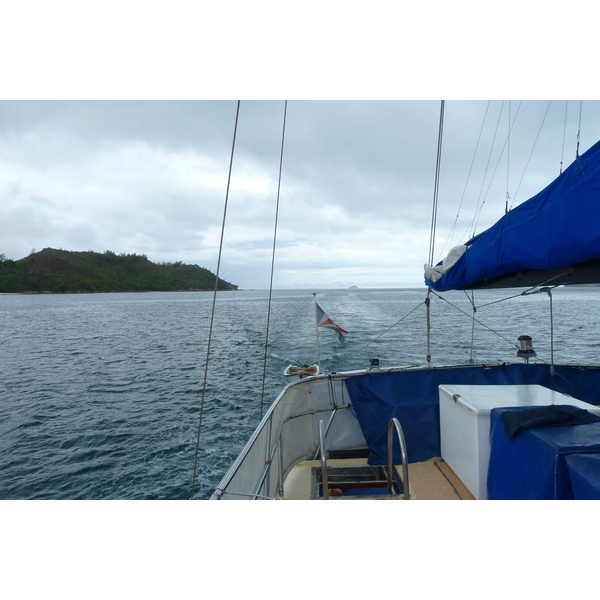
(356, 188)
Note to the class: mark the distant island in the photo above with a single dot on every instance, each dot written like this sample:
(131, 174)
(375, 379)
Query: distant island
(63, 271)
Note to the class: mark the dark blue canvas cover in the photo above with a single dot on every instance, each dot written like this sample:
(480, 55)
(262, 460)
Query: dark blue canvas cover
(532, 466)
(558, 227)
(413, 398)
(584, 471)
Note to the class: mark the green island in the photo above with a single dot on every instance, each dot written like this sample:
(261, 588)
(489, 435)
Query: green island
(63, 271)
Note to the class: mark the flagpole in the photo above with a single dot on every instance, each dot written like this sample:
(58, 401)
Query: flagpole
(317, 332)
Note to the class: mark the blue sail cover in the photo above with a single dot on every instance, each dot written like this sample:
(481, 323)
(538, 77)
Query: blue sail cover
(559, 227)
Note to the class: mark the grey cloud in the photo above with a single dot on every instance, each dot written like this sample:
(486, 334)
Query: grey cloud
(357, 182)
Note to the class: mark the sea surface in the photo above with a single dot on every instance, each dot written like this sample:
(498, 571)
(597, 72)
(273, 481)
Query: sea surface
(101, 394)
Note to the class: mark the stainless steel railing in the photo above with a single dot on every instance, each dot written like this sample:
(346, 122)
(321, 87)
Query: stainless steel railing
(395, 423)
(324, 481)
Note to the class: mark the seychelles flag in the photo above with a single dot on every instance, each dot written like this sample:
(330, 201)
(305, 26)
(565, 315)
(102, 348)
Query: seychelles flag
(324, 321)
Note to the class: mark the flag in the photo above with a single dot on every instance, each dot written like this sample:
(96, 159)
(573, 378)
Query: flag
(324, 321)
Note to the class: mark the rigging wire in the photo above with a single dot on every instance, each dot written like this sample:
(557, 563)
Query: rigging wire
(212, 315)
(262, 396)
(453, 229)
(548, 291)
(478, 213)
(476, 320)
(562, 154)
(497, 165)
(472, 301)
(475, 219)
(436, 186)
(543, 287)
(531, 153)
(480, 208)
(377, 337)
(527, 292)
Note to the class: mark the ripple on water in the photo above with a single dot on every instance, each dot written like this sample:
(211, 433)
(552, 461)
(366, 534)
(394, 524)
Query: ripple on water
(101, 393)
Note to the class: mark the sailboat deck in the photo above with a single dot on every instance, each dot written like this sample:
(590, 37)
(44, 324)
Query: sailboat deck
(428, 480)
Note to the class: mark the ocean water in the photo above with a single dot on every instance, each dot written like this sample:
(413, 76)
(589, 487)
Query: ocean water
(100, 394)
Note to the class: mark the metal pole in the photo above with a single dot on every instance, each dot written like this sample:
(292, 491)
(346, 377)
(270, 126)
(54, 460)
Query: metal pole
(317, 333)
(324, 481)
(395, 423)
(428, 304)
(552, 369)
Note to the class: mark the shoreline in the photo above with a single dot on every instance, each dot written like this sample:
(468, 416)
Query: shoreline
(106, 292)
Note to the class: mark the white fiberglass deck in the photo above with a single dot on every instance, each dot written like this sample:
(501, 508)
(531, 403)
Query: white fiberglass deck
(280, 459)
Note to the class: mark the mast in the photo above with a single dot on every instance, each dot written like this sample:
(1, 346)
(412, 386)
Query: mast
(317, 332)
(433, 225)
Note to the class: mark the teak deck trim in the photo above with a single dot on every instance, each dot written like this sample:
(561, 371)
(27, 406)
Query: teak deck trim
(427, 481)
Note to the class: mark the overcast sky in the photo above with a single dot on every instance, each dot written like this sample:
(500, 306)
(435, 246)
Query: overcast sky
(356, 191)
(150, 176)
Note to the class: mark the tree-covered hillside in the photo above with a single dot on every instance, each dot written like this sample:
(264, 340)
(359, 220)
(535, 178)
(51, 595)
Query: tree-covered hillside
(63, 271)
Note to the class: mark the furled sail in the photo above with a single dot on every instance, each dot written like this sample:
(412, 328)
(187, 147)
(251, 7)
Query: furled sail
(552, 238)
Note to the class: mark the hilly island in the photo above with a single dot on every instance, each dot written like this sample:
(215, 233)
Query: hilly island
(63, 271)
